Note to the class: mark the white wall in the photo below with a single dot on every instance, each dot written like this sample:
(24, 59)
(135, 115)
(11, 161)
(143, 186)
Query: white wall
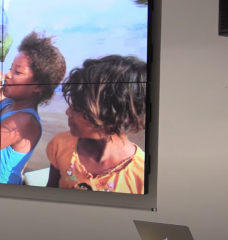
(193, 139)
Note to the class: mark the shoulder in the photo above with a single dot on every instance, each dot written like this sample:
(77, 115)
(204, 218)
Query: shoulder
(139, 159)
(62, 137)
(59, 147)
(19, 120)
(135, 172)
(61, 140)
(137, 166)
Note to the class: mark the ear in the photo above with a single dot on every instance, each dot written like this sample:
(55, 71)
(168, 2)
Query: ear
(38, 88)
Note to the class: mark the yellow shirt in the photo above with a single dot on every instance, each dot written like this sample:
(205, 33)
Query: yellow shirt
(127, 177)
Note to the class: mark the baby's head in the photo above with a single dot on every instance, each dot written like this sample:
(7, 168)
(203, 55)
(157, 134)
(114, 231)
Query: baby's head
(42, 64)
(110, 94)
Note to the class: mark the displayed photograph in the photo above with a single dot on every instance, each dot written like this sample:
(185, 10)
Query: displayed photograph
(73, 101)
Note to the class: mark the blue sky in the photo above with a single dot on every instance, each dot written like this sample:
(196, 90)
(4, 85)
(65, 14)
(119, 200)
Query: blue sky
(83, 28)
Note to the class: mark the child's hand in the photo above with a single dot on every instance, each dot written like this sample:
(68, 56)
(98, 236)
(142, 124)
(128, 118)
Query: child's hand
(1, 80)
(1, 85)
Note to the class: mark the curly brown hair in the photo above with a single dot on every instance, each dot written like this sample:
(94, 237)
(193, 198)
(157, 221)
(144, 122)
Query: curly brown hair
(111, 93)
(46, 61)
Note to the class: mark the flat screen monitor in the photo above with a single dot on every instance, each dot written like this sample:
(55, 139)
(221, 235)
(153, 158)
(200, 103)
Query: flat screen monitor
(75, 105)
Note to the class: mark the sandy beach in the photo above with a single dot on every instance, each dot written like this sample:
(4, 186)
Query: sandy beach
(54, 120)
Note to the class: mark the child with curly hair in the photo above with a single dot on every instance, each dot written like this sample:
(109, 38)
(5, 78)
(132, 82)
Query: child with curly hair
(36, 71)
(107, 102)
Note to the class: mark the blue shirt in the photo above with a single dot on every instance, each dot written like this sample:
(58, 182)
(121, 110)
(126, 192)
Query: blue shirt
(12, 162)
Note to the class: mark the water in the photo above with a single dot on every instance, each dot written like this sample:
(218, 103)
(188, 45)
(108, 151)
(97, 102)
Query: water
(59, 89)
(83, 28)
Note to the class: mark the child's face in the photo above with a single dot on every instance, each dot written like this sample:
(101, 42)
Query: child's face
(19, 83)
(79, 127)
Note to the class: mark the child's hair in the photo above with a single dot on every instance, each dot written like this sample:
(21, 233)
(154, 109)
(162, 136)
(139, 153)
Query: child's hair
(46, 61)
(111, 93)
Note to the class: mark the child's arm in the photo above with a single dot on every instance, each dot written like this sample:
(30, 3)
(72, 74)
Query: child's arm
(54, 177)
(54, 174)
(13, 129)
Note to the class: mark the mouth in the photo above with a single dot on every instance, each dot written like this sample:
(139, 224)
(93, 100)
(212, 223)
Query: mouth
(70, 124)
(5, 83)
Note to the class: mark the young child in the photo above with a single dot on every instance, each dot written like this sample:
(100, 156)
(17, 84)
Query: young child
(36, 71)
(107, 101)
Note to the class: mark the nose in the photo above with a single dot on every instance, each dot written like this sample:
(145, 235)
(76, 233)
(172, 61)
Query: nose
(8, 75)
(69, 112)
